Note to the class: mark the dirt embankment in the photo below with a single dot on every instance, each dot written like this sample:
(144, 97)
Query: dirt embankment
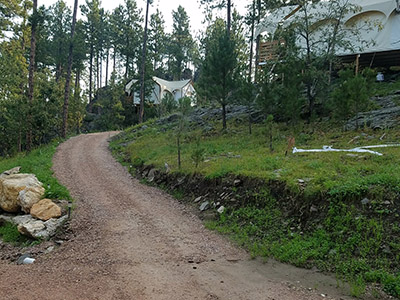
(131, 241)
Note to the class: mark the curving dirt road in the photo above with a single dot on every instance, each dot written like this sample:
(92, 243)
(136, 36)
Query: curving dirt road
(135, 242)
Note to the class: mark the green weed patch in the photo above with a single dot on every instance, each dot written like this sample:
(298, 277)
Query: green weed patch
(9, 234)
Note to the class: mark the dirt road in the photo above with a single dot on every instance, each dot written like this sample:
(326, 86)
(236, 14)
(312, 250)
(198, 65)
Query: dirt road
(135, 242)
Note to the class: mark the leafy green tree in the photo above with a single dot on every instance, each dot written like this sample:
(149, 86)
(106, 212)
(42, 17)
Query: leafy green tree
(167, 105)
(143, 63)
(68, 79)
(109, 106)
(157, 43)
(54, 43)
(9, 9)
(34, 24)
(91, 11)
(319, 43)
(127, 23)
(352, 93)
(13, 101)
(181, 43)
(220, 4)
(282, 89)
(217, 80)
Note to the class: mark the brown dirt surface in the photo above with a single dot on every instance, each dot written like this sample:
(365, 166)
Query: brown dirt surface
(131, 241)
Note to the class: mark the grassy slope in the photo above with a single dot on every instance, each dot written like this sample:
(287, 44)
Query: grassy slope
(333, 172)
(358, 243)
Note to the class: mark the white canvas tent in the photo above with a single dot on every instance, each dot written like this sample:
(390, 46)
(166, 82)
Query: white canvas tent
(381, 35)
(161, 87)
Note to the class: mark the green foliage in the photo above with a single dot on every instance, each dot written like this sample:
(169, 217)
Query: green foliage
(9, 234)
(109, 107)
(158, 43)
(281, 92)
(352, 93)
(217, 80)
(182, 47)
(198, 153)
(167, 105)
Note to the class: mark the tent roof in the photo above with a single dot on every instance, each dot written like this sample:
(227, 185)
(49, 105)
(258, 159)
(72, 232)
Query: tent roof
(171, 85)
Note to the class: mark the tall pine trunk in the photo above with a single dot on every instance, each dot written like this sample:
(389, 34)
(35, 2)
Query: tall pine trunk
(23, 90)
(77, 91)
(114, 59)
(32, 57)
(101, 71)
(228, 17)
(258, 40)
(97, 73)
(68, 79)
(253, 20)
(223, 116)
(143, 68)
(107, 62)
(91, 79)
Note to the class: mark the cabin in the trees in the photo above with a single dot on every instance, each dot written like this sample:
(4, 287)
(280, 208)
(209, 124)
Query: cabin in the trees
(372, 29)
(161, 88)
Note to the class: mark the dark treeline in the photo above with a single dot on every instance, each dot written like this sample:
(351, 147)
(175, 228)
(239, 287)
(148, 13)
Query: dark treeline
(59, 75)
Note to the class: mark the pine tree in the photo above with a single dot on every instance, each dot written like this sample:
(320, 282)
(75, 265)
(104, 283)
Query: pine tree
(181, 44)
(67, 82)
(217, 80)
(34, 21)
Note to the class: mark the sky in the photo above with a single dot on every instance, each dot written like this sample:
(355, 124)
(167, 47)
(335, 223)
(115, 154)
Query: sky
(192, 7)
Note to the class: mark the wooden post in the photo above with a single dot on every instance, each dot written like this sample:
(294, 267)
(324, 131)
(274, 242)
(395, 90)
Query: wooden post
(357, 63)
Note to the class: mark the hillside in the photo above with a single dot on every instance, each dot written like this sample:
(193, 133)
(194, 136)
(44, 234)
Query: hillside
(336, 211)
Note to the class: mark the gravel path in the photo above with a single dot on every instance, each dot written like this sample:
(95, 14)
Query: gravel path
(135, 242)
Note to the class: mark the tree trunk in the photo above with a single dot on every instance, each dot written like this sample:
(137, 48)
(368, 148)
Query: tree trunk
(76, 95)
(101, 72)
(97, 72)
(143, 68)
(107, 61)
(258, 40)
(250, 124)
(127, 62)
(228, 17)
(178, 142)
(68, 79)
(223, 116)
(31, 76)
(252, 39)
(23, 91)
(77, 78)
(114, 59)
(310, 102)
(91, 79)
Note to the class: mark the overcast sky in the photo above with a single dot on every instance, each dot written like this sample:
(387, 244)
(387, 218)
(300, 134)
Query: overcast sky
(165, 6)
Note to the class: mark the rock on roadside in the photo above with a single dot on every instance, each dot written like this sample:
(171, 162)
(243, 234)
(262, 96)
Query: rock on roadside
(19, 191)
(38, 229)
(45, 209)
